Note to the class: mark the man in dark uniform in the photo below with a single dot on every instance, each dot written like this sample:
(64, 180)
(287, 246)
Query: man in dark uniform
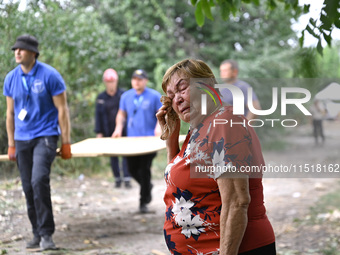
(107, 106)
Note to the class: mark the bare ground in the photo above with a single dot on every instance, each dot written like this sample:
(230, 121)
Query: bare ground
(94, 218)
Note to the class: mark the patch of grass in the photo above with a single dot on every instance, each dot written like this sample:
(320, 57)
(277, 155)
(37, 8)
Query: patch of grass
(9, 184)
(288, 252)
(159, 164)
(327, 203)
(9, 170)
(330, 251)
(77, 166)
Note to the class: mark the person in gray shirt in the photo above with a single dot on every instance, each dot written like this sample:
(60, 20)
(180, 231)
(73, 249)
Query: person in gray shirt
(229, 74)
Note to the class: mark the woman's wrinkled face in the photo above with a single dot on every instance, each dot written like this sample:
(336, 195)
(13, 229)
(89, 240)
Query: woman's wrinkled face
(178, 90)
(179, 93)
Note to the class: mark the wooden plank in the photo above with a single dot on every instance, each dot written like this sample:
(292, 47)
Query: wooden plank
(123, 146)
(4, 157)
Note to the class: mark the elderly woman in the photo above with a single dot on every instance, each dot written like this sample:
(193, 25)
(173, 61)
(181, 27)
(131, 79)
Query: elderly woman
(212, 212)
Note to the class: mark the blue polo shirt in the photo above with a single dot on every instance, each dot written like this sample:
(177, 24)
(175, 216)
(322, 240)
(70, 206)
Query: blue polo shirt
(141, 111)
(36, 97)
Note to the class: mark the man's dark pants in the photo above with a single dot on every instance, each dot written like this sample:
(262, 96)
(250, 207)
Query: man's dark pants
(318, 130)
(116, 169)
(34, 159)
(140, 169)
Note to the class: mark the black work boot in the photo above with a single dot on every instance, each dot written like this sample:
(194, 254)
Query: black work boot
(118, 184)
(47, 243)
(143, 209)
(34, 243)
(128, 185)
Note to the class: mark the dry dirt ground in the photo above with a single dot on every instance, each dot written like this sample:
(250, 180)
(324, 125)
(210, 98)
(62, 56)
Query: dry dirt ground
(94, 218)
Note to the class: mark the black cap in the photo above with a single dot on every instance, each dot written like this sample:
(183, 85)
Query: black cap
(27, 42)
(140, 73)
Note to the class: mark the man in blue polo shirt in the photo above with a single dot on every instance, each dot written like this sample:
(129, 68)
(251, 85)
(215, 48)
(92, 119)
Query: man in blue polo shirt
(137, 108)
(37, 113)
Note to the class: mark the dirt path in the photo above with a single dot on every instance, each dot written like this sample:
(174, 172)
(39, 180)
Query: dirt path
(94, 218)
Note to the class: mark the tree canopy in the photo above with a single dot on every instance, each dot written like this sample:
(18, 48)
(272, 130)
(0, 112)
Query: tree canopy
(320, 28)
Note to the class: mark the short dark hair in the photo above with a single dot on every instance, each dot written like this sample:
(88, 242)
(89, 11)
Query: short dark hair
(233, 63)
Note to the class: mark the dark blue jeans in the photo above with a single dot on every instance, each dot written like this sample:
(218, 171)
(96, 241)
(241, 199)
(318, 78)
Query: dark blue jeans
(116, 169)
(34, 159)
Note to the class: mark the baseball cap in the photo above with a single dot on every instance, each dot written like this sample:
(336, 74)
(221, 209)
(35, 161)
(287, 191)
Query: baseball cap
(110, 75)
(27, 42)
(140, 73)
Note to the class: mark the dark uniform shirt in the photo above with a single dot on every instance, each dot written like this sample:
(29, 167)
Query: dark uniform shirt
(106, 111)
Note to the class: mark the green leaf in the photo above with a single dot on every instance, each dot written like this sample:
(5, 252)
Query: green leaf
(310, 30)
(193, 2)
(232, 7)
(324, 27)
(326, 21)
(206, 9)
(212, 3)
(271, 4)
(237, 4)
(225, 10)
(306, 8)
(337, 23)
(294, 3)
(199, 16)
(328, 38)
(256, 2)
(312, 21)
(302, 39)
(319, 48)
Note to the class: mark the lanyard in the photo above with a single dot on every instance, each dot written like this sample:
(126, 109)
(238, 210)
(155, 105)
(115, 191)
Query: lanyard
(27, 87)
(138, 101)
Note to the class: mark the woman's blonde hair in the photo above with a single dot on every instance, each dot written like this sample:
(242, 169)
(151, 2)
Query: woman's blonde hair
(191, 68)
